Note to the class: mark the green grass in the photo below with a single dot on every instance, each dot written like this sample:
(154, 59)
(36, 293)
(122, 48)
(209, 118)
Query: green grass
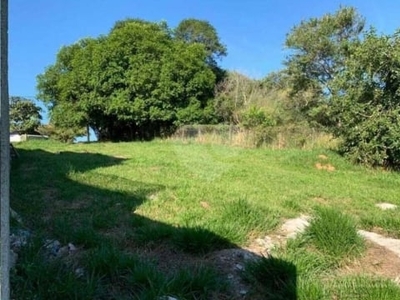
(276, 277)
(116, 200)
(366, 288)
(335, 234)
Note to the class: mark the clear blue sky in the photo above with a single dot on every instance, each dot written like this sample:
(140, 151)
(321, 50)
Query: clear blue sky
(253, 30)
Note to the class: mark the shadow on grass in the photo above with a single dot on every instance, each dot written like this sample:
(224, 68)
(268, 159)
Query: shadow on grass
(70, 197)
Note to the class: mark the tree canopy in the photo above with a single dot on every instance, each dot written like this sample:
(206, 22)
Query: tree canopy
(366, 104)
(24, 115)
(319, 50)
(137, 82)
(202, 32)
(347, 79)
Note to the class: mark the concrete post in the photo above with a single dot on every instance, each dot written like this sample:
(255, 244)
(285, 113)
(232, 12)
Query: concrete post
(4, 156)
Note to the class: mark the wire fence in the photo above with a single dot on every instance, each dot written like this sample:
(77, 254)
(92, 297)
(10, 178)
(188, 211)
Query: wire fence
(280, 137)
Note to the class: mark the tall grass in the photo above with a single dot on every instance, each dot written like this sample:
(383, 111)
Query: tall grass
(335, 234)
(277, 137)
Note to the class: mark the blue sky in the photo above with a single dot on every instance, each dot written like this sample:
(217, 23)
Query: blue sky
(253, 30)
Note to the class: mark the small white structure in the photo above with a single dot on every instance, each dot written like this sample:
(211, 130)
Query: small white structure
(15, 137)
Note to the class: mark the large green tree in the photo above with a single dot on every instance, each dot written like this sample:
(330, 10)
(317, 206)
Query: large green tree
(319, 48)
(201, 31)
(136, 82)
(366, 102)
(24, 115)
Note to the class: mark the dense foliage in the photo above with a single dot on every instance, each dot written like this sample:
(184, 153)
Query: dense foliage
(24, 115)
(366, 103)
(347, 79)
(137, 82)
(319, 50)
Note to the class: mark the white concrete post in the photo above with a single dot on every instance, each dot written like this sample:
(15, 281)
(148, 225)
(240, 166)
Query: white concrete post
(4, 156)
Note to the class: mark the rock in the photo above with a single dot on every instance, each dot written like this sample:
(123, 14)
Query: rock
(167, 298)
(266, 243)
(239, 267)
(292, 227)
(386, 206)
(243, 292)
(71, 247)
(63, 251)
(79, 272)
(19, 239)
(389, 243)
(53, 246)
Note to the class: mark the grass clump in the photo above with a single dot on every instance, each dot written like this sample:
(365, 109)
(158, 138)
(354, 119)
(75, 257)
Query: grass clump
(388, 222)
(276, 278)
(200, 282)
(364, 287)
(247, 218)
(198, 240)
(293, 272)
(307, 262)
(36, 276)
(334, 234)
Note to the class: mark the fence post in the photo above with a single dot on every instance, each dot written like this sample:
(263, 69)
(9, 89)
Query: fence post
(4, 156)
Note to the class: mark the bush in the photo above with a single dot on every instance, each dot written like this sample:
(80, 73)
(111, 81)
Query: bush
(375, 141)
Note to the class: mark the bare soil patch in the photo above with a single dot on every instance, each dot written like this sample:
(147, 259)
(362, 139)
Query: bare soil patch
(327, 167)
(377, 261)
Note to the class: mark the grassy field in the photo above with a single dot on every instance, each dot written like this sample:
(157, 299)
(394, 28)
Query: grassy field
(147, 217)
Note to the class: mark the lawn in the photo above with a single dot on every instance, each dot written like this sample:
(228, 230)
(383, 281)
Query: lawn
(147, 219)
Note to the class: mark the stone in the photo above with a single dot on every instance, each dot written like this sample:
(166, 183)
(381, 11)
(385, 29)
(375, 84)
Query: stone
(266, 243)
(79, 272)
(63, 251)
(19, 239)
(293, 227)
(53, 246)
(71, 247)
(386, 206)
(389, 243)
(239, 267)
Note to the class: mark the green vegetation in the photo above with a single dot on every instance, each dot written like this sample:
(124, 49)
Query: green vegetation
(277, 277)
(137, 82)
(149, 219)
(24, 115)
(144, 79)
(334, 234)
(145, 215)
